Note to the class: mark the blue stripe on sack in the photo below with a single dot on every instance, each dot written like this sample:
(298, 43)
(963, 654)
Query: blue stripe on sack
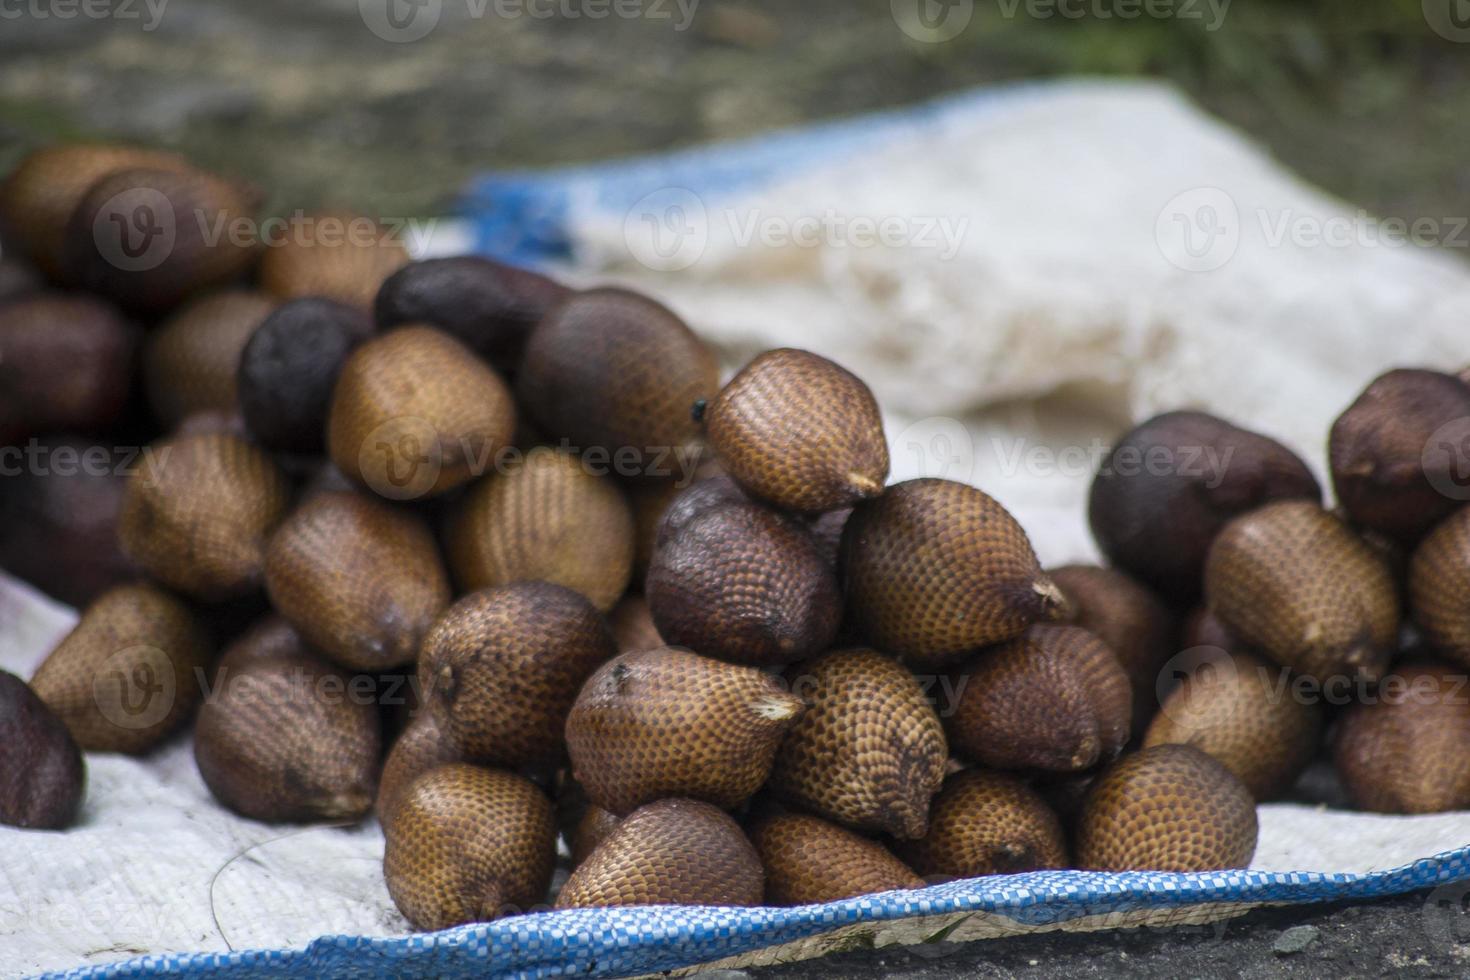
(624, 942)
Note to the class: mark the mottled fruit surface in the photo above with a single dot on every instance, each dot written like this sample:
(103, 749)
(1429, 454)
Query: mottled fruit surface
(44, 773)
(1439, 587)
(809, 860)
(987, 823)
(421, 747)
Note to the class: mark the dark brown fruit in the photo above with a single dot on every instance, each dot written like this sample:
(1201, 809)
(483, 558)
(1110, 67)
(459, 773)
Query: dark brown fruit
(414, 413)
(501, 668)
(1167, 808)
(17, 279)
(189, 363)
(1408, 751)
(595, 826)
(808, 861)
(1387, 465)
(1297, 584)
(44, 773)
(336, 256)
(651, 501)
(489, 306)
(129, 673)
(288, 370)
(1168, 487)
(1240, 710)
(827, 533)
(1054, 699)
(694, 501)
(612, 370)
(197, 514)
(937, 569)
(362, 581)
(988, 823)
(869, 752)
(744, 584)
(800, 432)
(421, 747)
(468, 844)
(666, 722)
(1129, 618)
(1439, 584)
(544, 516)
(632, 626)
(672, 852)
(284, 735)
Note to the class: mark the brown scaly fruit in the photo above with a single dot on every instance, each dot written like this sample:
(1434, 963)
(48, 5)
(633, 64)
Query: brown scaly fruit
(869, 752)
(544, 516)
(632, 625)
(44, 773)
(800, 432)
(936, 569)
(1408, 751)
(1128, 617)
(189, 363)
(362, 581)
(468, 844)
(666, 722)
(1169, 485)
(1297, 584)
(808, 860)
(197, 515)
(987, 823)
(595, 826)
(129, 673)
(339, 256)
(651, 500)
(671, 852)
(694, 501)
(745, 584)
(1167, 808)
(284, 735)
(1054, 699)
(421, 747)
(501, 668)
(1235, 709)
(1387, 465)
(612, 370)
(1439, 580)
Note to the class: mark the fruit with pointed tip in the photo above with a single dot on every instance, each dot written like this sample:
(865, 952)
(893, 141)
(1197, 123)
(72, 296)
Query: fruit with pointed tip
(987, 823)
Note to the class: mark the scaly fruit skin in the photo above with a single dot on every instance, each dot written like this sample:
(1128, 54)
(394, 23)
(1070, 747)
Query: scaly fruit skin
(129, 673)
(696, 500)
(421, 747)
(44, 773)
(1439, 581)
(937, 569)
(800, 433)
(1409, 751)
(1167, 808)
(809, 860)
(468, 844)
(595, 827)
(1169, 485)
(546, 516)
(1386, 464)
(1054, 699)
(1235, 710)
(869, 752)
(744, 584)
(670, 852)
(362, 581)
(1297, 584)
(987, 823)
(342, 257)
(284, 735)
(666, 722)
(190, 363)
(501, 668)
(613, 370)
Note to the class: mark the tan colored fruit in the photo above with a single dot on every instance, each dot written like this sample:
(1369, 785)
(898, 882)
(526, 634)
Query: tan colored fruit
(800, 432)
(197, 514)
(1295, 583)
(1054, 699)
(936, 569)
(414, 413)
(544, 516)
(338, 256)
(632, 626)
(1439, 582)
(666, 722)
(129, 673)
(869, 752)
(1408, 751)
(988, 823)
(44, 773)
(501, 668)
(189, 363)
(595, 827)
(468, 844)
(671, 852)
(808, 861)
(1167, 808)
(360, 580)
(1240, 710)
(284, 735)
(421, 747)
